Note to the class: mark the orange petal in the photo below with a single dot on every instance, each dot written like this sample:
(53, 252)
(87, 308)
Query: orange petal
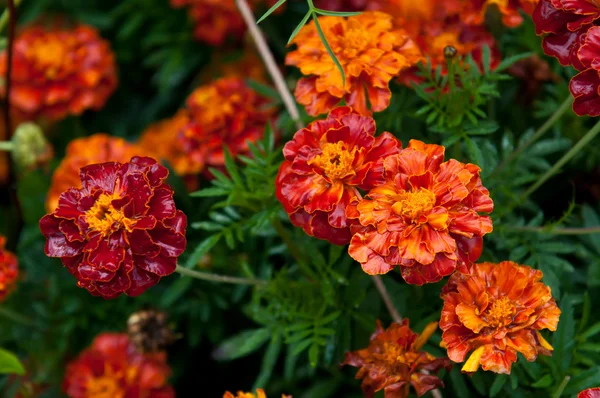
(473, 362)
(469, 317)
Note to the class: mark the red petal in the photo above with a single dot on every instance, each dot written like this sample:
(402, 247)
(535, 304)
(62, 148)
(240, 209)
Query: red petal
(141, 281)
(159, 265)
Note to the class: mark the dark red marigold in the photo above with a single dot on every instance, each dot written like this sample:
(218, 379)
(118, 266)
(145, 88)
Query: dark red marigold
(424, 218)
(325, 165)
(112, 368)
(585, 86)
(9, 270)
(120, 232)
(590, 393)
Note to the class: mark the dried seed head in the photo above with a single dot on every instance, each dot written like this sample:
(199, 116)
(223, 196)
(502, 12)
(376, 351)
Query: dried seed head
(149, 332)
(450, 52)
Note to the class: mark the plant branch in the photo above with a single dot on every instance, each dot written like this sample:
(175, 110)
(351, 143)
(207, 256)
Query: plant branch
(218, 278)
(18, 318)
(6, 146)
(293, 249)
(386, 298)
(559, 231)
(270, 63)
(9, 55)
(558, 392)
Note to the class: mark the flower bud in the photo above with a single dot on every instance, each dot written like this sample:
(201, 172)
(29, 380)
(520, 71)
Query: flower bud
(30, 147)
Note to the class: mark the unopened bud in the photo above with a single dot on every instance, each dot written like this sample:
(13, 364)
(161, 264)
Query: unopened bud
(30, 147)
(149, 331)
(450, 52)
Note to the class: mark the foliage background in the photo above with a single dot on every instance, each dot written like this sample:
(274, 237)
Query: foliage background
(335, 308)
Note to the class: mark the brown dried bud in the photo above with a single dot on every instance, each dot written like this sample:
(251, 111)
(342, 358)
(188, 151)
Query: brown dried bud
(149, 332)
(450, 52)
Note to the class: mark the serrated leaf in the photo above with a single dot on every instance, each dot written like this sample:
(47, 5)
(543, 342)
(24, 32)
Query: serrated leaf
(201, 250)
(474, 152)
(497, 385)
(263, 89)
(299, 26)
(270, 11)
(10, 364)
(241, 344)
(269, 361)
(313, 355)
(210, 192)
(563, 338)
(545, 382)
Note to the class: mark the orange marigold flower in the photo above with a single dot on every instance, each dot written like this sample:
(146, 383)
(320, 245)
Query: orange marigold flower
(424, 218)
(371, 52)
(120, 232)
(9, 270)
(97, 148)
(59, 72)
(393, 362)
(260, 393)
(497, 311)
(475, 10)
(225, 112)
(112, 368)
(325, 165)
(590, 393)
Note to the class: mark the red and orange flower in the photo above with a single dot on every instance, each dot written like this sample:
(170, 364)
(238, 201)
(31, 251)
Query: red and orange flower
(120, 232)
(9, 270)
(475, 10)
(393, 362)
(111, 368)
(260, 393)
(497, 311)
(371, 52)
(423, 218)
(58, 72)
(590, 393)
(224, 113)
(97, 148)
(325, 165)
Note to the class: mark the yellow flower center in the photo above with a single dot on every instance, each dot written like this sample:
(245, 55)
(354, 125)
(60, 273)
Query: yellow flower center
(501, 312)
(355, 40)
(335, 160)
(50, 54)
(104, 218)
(106, 386)
(414, 204)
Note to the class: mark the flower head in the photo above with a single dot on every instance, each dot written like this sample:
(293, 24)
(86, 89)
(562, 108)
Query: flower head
(120, 232)
(423, 218)
(149, 331)
(59, 72)
(371, 52)
(590, 393)
(325, 165)
(393, 362)
(475, 10)
(497, 311)
(225, 112)
(260, 393)
(112, 368)
(9, 270)
(97, 148)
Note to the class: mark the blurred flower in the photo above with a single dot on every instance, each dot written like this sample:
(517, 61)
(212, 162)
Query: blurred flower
(371, 52)
(533, 72)
(120, 232)
(112, 368)
(260, 393)
(148, 331)
(590, 393)
(58, 72)
(475, 10)
(247, 65)
(31, 149)
(497, 311)
(342, 5)
(9, 270)
(393, 362)
(225, 112)
(97, 148)
(424, 218)
(325, 165)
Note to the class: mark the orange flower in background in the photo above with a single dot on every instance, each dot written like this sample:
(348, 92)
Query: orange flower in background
(260, 393)
(590, 393)
(97, 148)
(59, 72)
(497, 311)
(394, 362)
(325, 165)
(246, 65)
(9, 270)
(225, 112)
(475, 10)
(424, 218)
(371, 52)
(111, 368)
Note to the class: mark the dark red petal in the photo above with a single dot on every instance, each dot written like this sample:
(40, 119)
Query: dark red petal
(161, 204)
(93, 273)
(584, 87)
(71, 231)
(142, 243)
(177, 223)
(138, 189)
(321, 229)
(564, 46)
(160, 265)
(68, 204)
(141, 281)
(99, 176)
(171, 242)
(107, 256)
(147, 222)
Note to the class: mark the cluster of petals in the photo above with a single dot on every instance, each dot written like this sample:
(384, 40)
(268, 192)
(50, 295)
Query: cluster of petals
(424, 218)
(326, 164)
(393, 362)
(9, 270)
(111, 367)
(370, 50)
(226, 112)
(475, 10)
(590, 393)
(58, 72)
(97, 148)
(260, 393)
(572, 36)
(120, 232)
(496, 311)
(216, 21)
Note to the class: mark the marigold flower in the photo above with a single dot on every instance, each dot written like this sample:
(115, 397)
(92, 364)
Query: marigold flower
(59, 72)
(393, 362)
(225, 112)
(325, 165)
(590, 393)
(423, 218)
(97, 148)
(585, 86)
(510, 10)
(342, 5)
(112, 368)
(120, 232)
(260, 393)
(9, 270)
(497, 311)
(371, 52)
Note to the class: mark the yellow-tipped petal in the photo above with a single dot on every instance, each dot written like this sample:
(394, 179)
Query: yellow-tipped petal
(543, 341)
(473, 362)
(425, 335)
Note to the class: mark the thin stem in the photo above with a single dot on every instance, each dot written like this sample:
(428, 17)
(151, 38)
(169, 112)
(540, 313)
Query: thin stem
(218, 278)
(386, 298)
(6, 146)
(4, 17)
(293, 249)
(559, 231)
(270, 63)
(590, 135)
(16, 317)
(9, 55)
(562, 387)
(558, 113)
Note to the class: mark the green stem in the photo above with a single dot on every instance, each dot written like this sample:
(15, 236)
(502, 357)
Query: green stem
(450, 64)
(387, 300)
(4, 17)
(293, 249)
(6, 146)
(218, 278)
(559, 231)
(558, 113)
(561, 387)
(18, 318)
(590, 135)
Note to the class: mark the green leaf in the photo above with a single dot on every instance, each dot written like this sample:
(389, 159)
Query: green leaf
(10, 364)
(270, 11)
(563, 339)
(313, 355)
(592, 331)
(176, 290)
(546, 381)
(210, 192)
(591, 219)
(263, 89)
(497, 385)
(299, 26)
(474, 152)
(458, 383)
(241, 344)
(507, 62)
(328, 47)
(201, 250)
(269, 361)
(336, 13)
